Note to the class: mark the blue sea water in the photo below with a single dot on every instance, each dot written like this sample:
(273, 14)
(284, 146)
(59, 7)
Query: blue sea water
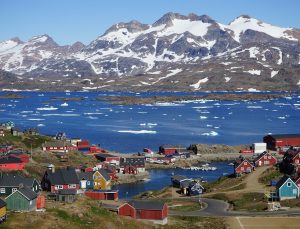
(130, 128)
(160, 178)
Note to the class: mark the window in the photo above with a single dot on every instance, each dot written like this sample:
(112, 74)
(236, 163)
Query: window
(295, 191)
(297, 161)
(72, 186)
(30, 202)
(14, 189)
(267, 162)
(60, 186)
(242, 168)
(2, 190)
(289, 184)
(245, 163)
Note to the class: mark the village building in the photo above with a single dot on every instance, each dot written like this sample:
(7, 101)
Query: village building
(195, 188)
(179, 181)
(23, 199)
(287, 189)
(3, 215)
(265, 159)
(156, 212)
(101, 180)
(61, 136)
(60, 181)
(103, 194)
(8, 125)
(16, 132)
(11, 163)
(170, 150)
(275, 142)
(10, 182)
(32, 131)
(132, 165)
(86, 180)
(4, 149)
(242, 166)
(2, 132)
(58, 146)
(108, 158)
(74, 141)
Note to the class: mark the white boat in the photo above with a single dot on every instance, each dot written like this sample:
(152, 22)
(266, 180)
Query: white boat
(47, 108)
(64, 104)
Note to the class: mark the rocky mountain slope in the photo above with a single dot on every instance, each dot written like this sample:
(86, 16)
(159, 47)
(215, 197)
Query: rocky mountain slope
(175, 53)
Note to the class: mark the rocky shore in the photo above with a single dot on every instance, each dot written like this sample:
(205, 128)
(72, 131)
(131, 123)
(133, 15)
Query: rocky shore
(132, 178)
(131, 100)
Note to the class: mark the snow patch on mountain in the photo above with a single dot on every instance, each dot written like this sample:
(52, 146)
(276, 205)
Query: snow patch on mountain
(197, 85)
(227, 79)
(241, 24)
(274, 73)
(254, 72)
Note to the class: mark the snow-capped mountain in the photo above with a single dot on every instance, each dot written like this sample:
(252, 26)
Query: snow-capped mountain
(184, 52)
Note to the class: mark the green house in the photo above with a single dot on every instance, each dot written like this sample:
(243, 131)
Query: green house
(23, 199)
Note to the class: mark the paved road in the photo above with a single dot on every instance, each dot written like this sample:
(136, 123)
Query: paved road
(220, 208)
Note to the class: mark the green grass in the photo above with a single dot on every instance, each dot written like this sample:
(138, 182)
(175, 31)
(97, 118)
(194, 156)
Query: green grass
(64, 215)
(268, 175)
(250, 202)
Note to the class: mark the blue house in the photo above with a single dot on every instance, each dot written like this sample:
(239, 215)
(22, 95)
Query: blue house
(85, 180)
(287, 189)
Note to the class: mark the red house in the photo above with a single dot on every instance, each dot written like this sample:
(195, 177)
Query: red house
(297, 181)
(170, 150)
(242, 166)
(146, 210)
(280, 140)
(265, 158)
(296, 159)
(11, 163)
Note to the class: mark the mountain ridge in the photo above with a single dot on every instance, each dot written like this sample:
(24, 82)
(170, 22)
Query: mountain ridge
(176, 51)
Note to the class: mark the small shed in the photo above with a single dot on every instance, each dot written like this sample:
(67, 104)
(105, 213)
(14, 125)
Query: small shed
(287, 188)
(23, 199)
(2, 211)
(154, 211)
(103, 194)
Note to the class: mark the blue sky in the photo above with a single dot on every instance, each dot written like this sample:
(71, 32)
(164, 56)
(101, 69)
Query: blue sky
(68, 21)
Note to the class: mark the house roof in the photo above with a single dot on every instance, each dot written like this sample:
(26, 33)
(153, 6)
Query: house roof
(28, 193)
(137, 161)
(282, 181)
(2, 203)
(85, 175)
(178, 178)
(148, 205)
(104, 174)
(285, 136)
(262, 155)
(193, 183)
(14, 180)
(56, 144)
(239, 161)
(63, 176)
(104, 156)
(185, 183)
(10, 160)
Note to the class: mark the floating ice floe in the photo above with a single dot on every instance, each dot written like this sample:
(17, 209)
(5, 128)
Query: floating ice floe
(254, 107)
(47, 108)
(63, 115)
(203, 117)
(137, 131)
(36, 119)
(40, 125)
(64, 105)
(211, 133)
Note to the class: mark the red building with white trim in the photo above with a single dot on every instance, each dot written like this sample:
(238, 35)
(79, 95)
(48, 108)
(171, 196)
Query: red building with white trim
(242, 166)
(265, 159)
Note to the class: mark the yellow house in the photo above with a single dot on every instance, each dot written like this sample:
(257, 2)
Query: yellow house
(101, 180)
(2, 211)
